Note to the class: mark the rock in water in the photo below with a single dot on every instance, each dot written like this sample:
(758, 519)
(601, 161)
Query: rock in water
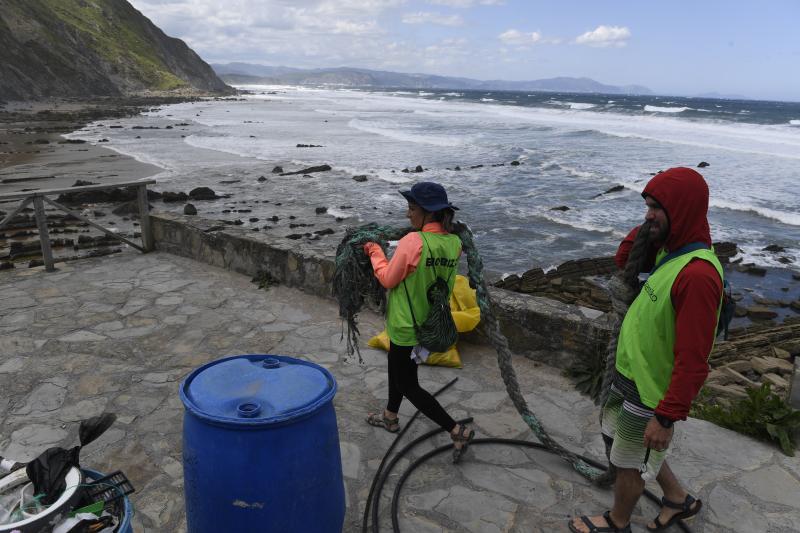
(774, 248)
(360, 178)
(759, 312)
(189, 209)
(703, 164)
(615, 188)
(202, 193)
(309, 170)
(168, 196)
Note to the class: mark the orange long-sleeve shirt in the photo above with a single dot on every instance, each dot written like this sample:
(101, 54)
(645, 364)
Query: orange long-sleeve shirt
(405, 258)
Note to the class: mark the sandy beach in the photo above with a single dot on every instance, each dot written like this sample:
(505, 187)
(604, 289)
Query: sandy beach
(34, 155)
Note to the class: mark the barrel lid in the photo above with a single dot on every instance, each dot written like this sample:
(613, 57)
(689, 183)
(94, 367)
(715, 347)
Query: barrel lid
(256, 389)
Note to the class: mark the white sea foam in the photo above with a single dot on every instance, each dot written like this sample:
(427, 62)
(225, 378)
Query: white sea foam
(393, 132)
(772, 140)
(453, 94)
(576, 172)
(488, 100)
(574, 222)
(580, 105)
(229, 145)
(659, 109)
(755, 254)
(792, 219)
(794, 122)
(339, 213)
(392, 177)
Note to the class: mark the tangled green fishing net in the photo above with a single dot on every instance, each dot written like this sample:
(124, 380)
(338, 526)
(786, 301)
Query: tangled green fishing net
(354, 282)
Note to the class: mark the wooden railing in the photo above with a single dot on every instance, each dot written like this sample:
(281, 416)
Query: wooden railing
(41, 196)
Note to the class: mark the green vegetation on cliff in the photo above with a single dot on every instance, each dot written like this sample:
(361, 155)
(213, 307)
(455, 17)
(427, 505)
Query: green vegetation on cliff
(92, 47)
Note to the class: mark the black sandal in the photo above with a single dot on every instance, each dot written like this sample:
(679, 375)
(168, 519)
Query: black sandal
(464, 436)
(392, 425)
(611, 528)
(685, 508)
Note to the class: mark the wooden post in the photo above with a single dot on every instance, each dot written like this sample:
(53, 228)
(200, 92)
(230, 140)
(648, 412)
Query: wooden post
(144, 219)
(44, 236)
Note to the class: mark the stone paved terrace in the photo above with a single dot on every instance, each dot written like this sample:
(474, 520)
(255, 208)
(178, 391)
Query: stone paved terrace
(118, 334)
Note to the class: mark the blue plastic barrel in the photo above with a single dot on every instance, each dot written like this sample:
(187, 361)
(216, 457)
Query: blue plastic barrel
(261, 447)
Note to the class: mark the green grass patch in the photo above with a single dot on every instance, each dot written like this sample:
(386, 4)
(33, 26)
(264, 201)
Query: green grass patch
(120, 37)
(763, 415)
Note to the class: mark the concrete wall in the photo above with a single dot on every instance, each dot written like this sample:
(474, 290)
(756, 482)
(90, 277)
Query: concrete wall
(542, 329)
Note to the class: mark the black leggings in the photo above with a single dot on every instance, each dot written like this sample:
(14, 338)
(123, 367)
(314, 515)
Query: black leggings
(403, 381)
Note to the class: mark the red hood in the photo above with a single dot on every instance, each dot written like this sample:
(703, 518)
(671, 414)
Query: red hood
(683, 193)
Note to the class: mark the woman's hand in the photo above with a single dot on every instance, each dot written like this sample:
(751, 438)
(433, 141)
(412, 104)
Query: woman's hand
(370, 247)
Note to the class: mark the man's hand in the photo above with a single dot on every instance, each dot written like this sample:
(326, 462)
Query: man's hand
(657, 436)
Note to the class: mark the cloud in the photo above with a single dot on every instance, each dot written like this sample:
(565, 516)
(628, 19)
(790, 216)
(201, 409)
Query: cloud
(313, 33)
(605, 36)
(466, 3)
(426, 17)
(518, 38)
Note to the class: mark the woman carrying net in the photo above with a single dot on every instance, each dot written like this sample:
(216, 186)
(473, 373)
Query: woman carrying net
(422, 256)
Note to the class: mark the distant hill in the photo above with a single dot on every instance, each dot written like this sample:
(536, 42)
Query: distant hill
(92, 48)
(244, 73)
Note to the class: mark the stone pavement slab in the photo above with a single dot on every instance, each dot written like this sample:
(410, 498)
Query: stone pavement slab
(119, 333)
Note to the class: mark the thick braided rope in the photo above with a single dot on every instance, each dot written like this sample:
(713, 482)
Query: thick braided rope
(500, 344)
(623, 289)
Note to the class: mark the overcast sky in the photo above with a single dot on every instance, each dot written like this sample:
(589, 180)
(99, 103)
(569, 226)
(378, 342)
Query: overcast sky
(681, 47)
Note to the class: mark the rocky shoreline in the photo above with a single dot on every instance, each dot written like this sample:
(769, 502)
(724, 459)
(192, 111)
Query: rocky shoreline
(764, 339)
(768, 300)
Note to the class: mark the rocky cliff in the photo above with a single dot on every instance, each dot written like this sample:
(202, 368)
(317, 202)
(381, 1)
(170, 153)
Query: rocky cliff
(69, 48)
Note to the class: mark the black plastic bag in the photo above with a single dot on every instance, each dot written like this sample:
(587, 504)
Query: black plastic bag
(49, 470)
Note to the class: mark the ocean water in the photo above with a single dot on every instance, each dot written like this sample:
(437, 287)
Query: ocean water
(571, 148)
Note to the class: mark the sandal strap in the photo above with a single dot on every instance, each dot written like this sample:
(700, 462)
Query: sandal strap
(614, 527)
(611, 528)
(464, 434)
(685, 506)
(589, 524)
(657, 522)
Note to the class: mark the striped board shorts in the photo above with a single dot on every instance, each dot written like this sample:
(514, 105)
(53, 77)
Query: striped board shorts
(624, 419)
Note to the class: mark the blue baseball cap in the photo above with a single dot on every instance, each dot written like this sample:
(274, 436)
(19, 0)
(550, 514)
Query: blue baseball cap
(429, 196)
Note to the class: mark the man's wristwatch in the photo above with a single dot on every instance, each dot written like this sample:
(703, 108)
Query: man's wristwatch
(664, 421)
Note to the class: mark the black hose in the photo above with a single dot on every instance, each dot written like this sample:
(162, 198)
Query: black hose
(395, 459)
(515, 442)
(365, 523)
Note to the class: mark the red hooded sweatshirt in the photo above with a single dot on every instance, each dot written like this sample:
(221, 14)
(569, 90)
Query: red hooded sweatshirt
(697, 290)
